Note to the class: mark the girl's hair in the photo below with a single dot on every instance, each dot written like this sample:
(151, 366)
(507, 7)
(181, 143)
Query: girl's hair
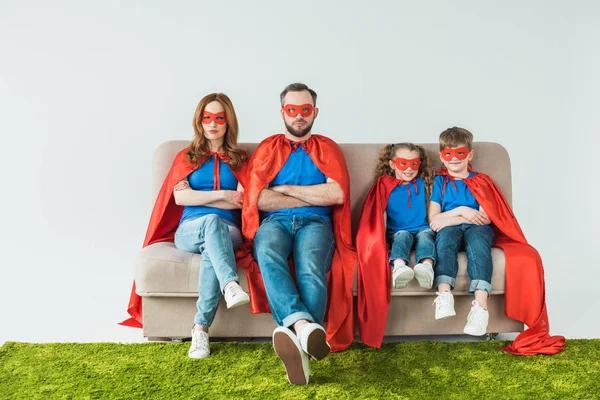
(388, 153)
(200, 146)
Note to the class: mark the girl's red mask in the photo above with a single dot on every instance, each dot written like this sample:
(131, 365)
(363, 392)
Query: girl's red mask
(294, 109)
(461, 153)
(219, 118)
(403, 163)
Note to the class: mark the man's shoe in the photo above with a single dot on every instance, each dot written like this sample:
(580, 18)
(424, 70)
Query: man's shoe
(444, 305)
(235, 295)
(401, 275)
(313, 341)
(424, 275)
(477, 320)
(294, 359)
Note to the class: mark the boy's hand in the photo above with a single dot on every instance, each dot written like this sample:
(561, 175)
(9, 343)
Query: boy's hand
(486, 217)
(438, 224)
(474, 216)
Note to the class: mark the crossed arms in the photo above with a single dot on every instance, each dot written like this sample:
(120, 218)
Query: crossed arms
(463, 214)
(294, 196)
(224, 199)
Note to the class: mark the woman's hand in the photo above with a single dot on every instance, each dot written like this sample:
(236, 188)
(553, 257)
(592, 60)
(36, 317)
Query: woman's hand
(234, 197)
(182, 185)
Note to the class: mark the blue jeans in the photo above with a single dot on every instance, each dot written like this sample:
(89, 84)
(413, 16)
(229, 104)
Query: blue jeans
(477, 240)
(216, 239)
(309, 239)
(402, 242)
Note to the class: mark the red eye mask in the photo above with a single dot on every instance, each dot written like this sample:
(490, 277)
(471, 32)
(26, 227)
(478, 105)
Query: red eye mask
(294, 109)
(403, 164)
(219, 118)
(461, 153)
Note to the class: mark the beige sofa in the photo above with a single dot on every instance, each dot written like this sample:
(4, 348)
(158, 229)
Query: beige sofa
(167, 278)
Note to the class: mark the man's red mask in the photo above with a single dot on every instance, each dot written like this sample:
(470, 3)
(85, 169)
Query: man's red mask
(461, 153)
(294, 109)
(403, 164)
(219, 118)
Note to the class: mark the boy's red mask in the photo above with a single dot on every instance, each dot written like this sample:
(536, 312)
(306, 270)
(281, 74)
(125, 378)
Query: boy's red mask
(294, 109)
(219, 118)
(461, 153)
(403, 163)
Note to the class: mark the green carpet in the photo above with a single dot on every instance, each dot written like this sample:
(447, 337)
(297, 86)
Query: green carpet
(409, 370)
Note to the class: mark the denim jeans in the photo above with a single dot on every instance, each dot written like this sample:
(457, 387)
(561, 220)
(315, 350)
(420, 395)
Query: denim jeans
(402, 242)
(310, 240)
(217, 240)
(477, 240)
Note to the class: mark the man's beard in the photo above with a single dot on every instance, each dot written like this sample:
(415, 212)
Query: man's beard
(298, 132)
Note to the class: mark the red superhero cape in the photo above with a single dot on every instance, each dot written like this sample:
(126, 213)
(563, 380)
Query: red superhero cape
(165, 220)
(373, 267)
(265, 163)
(525, 294)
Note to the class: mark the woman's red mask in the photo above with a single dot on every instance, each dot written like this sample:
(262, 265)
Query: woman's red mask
(403, 164)
(461, 153)
(219, 118)
(294, 109)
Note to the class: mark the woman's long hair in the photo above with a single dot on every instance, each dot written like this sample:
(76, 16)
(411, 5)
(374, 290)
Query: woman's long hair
(200, 146)
(388, 153)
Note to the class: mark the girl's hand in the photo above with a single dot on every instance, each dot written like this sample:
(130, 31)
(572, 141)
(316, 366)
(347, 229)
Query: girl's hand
(474, 216)
(182, 185)
(234, 197)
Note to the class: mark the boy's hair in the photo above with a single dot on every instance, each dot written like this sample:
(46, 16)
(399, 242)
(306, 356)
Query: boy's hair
(456, 137)
(388, 153)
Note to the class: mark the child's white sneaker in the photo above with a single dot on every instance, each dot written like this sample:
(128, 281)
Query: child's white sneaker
(235, 295)
(401, 275)
(477, 320)
(444, 305)
(199, 347)
(424, 275)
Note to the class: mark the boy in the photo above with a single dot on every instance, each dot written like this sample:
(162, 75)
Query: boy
(460, 223)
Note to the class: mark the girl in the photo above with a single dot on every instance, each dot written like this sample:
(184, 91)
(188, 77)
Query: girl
(399, 197)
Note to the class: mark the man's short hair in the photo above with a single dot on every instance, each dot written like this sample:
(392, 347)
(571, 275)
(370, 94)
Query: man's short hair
(456, 137)
(298, 87)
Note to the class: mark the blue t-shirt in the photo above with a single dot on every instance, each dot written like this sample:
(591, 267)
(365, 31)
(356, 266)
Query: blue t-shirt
(203, 179)
(462, 196)
(299, 169)
(402, 218)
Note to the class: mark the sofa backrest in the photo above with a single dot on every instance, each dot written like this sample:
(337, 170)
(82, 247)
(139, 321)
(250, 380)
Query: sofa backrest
(361, 158)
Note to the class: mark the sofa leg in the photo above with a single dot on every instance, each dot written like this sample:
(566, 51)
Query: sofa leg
(160, 339)
(491, 336)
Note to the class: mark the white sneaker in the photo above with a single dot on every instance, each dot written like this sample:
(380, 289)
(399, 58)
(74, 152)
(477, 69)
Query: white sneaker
(199, 347)
(401, 275)
(424, 275)
(313, 341)
(294, 359)
(477, 320)
(444, 305)
(235, 295)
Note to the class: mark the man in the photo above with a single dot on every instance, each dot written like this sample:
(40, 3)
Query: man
(299, 181)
